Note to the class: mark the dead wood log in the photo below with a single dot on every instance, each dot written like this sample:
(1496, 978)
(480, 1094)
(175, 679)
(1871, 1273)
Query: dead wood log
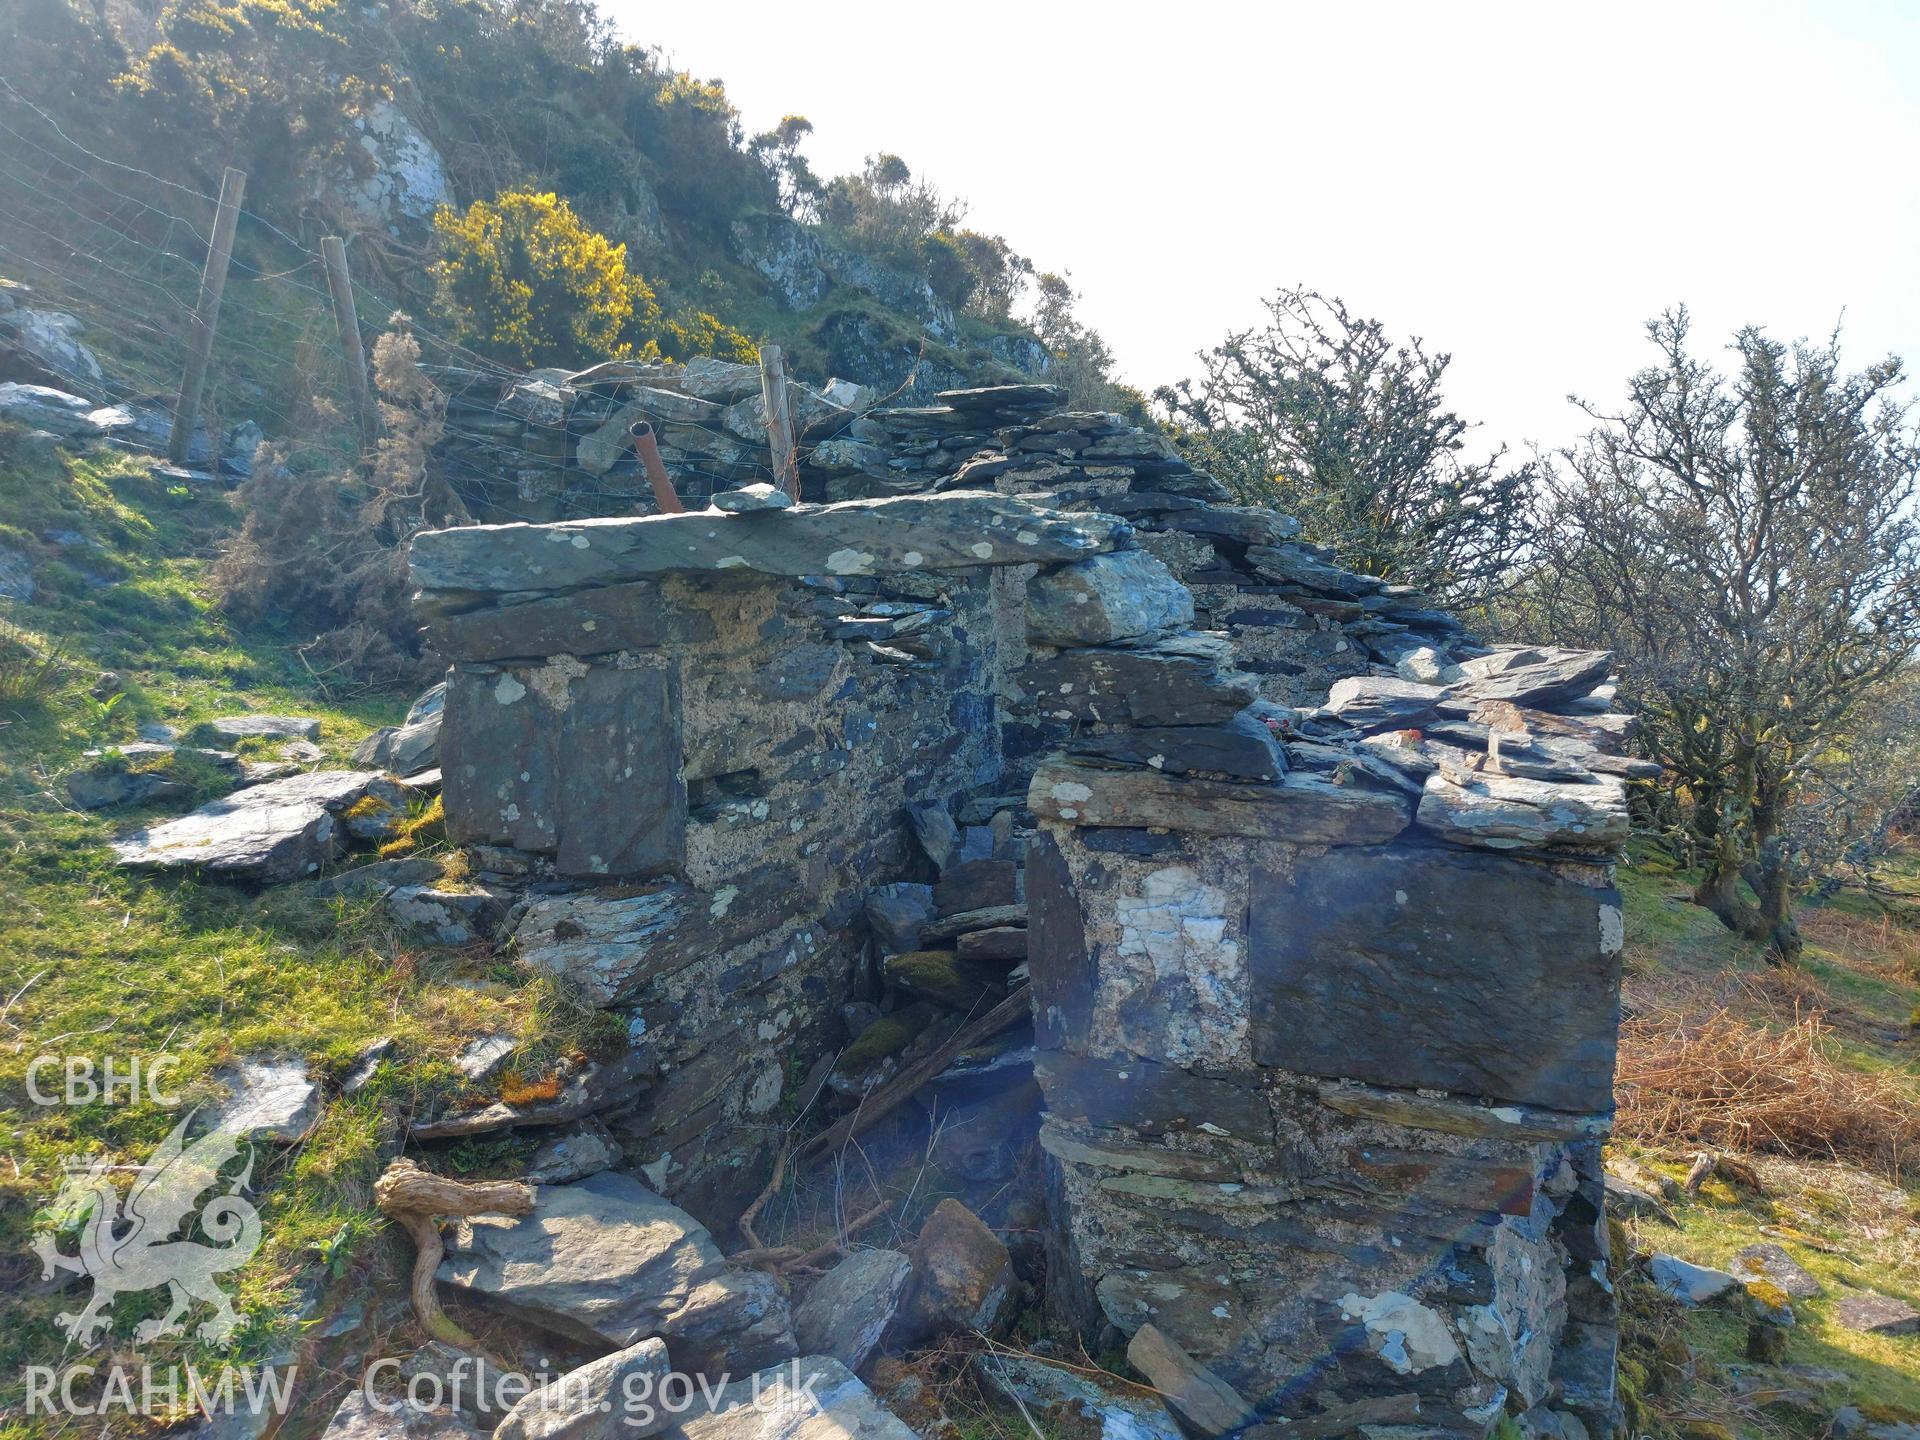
(884, 1100)
(414, 1198)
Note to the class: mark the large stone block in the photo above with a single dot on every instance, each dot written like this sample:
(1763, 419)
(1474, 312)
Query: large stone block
(1119, 596)
(1428, 970)
(594, 622)
(1302, 808)
(578, 761)
(1186, 679)
(957, 530)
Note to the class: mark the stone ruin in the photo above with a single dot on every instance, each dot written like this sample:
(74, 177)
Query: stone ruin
(1309, 889)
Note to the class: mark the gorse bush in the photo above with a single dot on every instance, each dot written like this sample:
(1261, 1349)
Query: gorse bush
(524, 279)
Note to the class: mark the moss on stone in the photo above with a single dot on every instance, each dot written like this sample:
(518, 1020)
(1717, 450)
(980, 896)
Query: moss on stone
(942, 976)
(885, 1038)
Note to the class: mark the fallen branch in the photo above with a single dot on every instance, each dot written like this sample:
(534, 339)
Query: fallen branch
(415, 1198)
(889, 1096)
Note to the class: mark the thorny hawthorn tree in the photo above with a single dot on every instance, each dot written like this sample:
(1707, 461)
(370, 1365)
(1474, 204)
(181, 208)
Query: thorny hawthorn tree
(1319, 413)
(1746, 544)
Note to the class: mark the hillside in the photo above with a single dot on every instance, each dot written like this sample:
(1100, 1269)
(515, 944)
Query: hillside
(364, 120)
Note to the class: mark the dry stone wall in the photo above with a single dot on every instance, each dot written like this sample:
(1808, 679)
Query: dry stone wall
(1313, 889)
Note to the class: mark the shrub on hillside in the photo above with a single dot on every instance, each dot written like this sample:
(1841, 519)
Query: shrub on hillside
(328, 553)
(524, 279)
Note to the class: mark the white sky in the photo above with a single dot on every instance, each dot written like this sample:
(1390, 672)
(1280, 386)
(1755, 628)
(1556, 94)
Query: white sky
(1521, 185)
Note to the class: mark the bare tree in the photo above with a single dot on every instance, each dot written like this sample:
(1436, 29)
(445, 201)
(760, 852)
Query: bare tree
(1319, 413)
(1746, 544)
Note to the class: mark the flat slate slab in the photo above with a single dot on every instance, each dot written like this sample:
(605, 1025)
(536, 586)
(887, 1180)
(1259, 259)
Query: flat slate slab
(274, 832)
(1350, 951)
(1877, 1315)
(812, 1398)
(1301, 808)
(1770, 1263)
(271, 727)
(609, 1262)
(1183, 679)
(1509, 812)
(957, 530)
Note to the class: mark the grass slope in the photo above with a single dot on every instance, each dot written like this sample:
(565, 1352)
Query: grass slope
(97, 962)
(1853, 1226)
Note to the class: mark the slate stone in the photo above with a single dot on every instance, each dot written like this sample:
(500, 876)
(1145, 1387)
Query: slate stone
(1119, 596)
(1296, 566)
(588, 1091)
(963, 1275)
(1061, 968)
(1877, 1315)
(1236, 524)
(1770, 1263)
(1003, 942)
(611, 946)
(1106, 1405)
(1004, 399)
(1124, 841)
(975, 885)
(958, 530)
(898, 913)
(1688, 1283)
(1241, 749)
(616, 1395)
(1154, 1098)
(815, 1398)
(722, 381)
(992, 917)
(1375, 702)
(1185, 679)
(750, 499)
(574, 1154)
(608, 1262)
(452, 917)
(1541, 678)
(267, 1099)
(939, 837)
(593, 622)
(140, 773)
(358, 1418)
(1349, 953)
(849, 1308)
(1301, 808)
(943, 977)
(1509, 812)
(402, 749)
(578, 763)
(274, 832)
(270, 727)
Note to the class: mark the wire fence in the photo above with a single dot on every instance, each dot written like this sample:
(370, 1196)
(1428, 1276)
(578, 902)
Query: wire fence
(122, 249)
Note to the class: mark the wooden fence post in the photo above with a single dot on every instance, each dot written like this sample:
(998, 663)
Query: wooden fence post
(206, 315)
(773, 395)
(333, 254)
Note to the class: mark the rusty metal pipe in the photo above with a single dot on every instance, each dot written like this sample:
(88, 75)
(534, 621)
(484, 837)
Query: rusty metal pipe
(648, 450)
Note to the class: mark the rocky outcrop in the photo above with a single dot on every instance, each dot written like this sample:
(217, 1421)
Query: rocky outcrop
(392, 178)
(41, 346)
